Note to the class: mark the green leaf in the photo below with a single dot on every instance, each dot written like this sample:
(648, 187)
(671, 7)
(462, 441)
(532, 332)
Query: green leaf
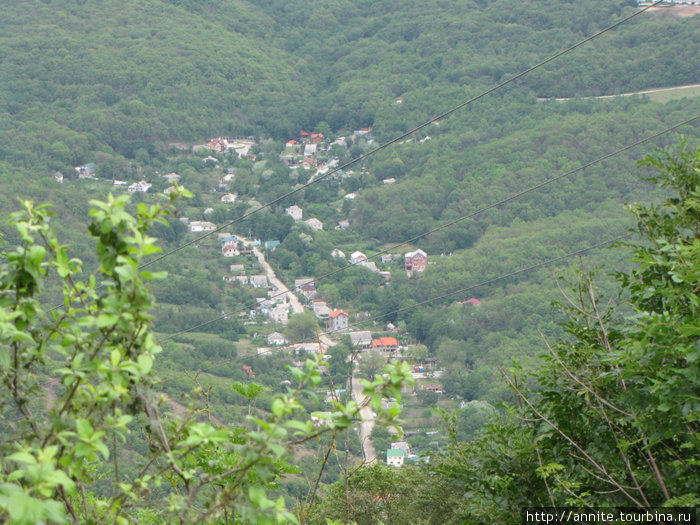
(104, 320)
(145, 363)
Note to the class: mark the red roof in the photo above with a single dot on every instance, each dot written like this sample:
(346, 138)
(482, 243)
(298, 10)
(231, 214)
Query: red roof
(385, 341)
(473, 301)
(335, 313)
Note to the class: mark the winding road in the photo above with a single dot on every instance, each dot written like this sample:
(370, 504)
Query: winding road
(366, 413)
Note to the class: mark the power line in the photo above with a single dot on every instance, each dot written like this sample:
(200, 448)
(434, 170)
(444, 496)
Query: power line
(460, 219)
(404, 135)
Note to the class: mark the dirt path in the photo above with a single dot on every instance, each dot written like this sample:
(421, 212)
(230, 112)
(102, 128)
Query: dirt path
(645, 92)
(297, 307)
(366, 425)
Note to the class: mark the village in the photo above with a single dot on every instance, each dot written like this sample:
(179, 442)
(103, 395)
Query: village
(276, 302)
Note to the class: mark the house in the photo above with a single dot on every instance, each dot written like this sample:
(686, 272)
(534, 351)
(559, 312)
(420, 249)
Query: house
(387, 258)
(433, 388)
(236, 268)
(316, 137)
(58, 177)
(338, 320)
(230, 249)
(310, 150)
(140, 186)
(389, 181)
(295, 212)
(474, 301)
(280, 314)
(322, 312)
(314, 224)
(395, 457)
(402, 445)
(385, 274)
(258, 281)
(202, 226)
(166, 191)
(310, 348)
(172, 177)
(357, 257)
(210, 160)
(370, 266)
(385, 345)
(361, 338)
(86, 171)
(415, 261)
(271, 245)
(350, 196)
(248, 370)
(229, 198)
(343, 225)
(307, 288)
(208, 211)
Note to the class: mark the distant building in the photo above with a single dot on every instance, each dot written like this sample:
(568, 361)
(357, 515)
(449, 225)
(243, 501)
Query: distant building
(58, 177)
(276, 338)
(295, 212)
(258, 281)
(322, 312)
(86, 171)
(314, 224)
(229, 198)
(338, 253)
(271, 245)
(415, 261)
(202, 226)
(361, 338)
(385, 345)
(338, 320)
(280, 314)
(357, 257)
(394, 457)
(474, 301)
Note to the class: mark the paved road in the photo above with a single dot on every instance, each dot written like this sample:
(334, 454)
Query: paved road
(366, 424)
(297, 307)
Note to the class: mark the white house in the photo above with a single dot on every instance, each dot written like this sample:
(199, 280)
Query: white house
(361, 338)
(280, 314)
(337, 253)
(140, 186)
(202, 226)
(276, 338)
(394, 457)
(229, 198)
(338, 320)
(357, 257)
(295, 212)
(314, 224)
(258, 281)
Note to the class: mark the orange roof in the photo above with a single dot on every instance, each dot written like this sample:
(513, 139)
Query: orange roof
(335, 313)
(385, 341)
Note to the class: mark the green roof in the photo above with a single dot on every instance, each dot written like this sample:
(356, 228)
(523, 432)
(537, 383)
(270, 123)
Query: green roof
(391, 452)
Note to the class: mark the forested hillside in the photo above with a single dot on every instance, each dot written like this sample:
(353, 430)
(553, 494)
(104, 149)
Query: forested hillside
(97, 96)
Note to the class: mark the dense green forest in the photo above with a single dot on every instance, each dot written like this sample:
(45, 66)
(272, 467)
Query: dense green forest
(135, 88)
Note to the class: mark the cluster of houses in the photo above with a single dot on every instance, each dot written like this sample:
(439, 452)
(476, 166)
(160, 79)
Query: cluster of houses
(313, 150)
(296, 213)
(415, 261)
(239, 145)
